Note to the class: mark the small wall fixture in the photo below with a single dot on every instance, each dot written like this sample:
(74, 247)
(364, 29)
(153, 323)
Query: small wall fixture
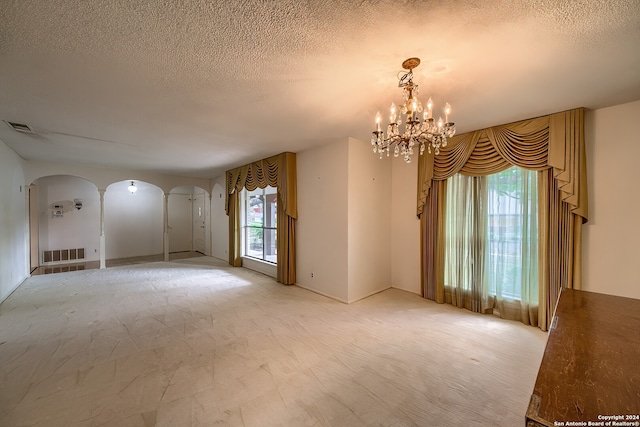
(132, 188)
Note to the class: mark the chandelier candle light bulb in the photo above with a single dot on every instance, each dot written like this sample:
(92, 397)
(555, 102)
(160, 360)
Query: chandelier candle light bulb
(132, 188)
(425, 133)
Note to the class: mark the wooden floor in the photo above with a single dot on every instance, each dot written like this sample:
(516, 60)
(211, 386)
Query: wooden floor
(196, 342)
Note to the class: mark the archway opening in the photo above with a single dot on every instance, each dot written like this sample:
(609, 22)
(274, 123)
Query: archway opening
(64, 223)
(133, 222)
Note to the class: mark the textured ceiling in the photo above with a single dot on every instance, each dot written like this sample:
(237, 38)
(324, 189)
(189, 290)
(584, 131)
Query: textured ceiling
(193, 87)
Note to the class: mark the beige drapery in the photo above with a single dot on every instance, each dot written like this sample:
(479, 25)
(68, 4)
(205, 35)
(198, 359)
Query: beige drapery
(552, 145)
(280, 172)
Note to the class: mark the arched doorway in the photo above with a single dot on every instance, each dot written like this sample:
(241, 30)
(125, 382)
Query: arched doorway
(133, 222)
(64, 221)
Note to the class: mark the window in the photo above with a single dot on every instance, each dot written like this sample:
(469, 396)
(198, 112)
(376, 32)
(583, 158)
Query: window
(512, 237)
(491, 246)
(259, 224)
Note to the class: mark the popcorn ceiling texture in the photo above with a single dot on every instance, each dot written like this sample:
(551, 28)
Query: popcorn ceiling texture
(240, 80)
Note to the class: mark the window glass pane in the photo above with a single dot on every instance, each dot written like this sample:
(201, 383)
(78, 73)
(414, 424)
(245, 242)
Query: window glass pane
(270, 219)
(270, 250)
(254, 242)
(255, 210)
(512, 232)
(505, 235)
(259, 222)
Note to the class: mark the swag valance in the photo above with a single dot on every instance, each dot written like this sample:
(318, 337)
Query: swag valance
(277, 171)
(555, 141)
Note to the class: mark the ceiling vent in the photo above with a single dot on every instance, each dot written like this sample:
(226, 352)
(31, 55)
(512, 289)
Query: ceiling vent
(20, 127)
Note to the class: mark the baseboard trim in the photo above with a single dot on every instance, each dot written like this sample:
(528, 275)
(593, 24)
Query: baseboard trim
(340, 299)
(368, 295)
(315, 291)
(2, 299)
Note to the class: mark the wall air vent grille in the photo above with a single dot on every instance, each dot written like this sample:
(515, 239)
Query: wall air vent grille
(20, 127)
(58, 255)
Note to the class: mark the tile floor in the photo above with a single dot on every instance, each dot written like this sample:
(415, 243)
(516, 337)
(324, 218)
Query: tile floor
(195, 342)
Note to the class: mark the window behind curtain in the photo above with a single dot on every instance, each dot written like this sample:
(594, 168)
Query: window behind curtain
(259, 223)
(491, 247)
(512, 239)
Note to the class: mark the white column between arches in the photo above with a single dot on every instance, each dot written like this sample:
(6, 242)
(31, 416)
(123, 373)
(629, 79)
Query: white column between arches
(166, 227)
(103, 255)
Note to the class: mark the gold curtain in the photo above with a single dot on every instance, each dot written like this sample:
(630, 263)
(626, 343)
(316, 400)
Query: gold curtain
(552, 145)
(432, 233)
(280, 172)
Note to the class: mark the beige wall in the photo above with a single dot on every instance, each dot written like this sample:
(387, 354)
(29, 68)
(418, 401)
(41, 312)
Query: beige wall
(133, 224)
(343, 234)
(14, 232)
(612, 236)
(76, 228)
(322, 234)
(405, 226)
(369, 218)
(219, 220)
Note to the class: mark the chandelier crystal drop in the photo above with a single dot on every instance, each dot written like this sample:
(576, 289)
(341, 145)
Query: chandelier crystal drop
(426, 133)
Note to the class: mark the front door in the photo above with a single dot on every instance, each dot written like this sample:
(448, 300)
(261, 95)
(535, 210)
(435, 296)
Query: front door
(199, 244)
(179, 218)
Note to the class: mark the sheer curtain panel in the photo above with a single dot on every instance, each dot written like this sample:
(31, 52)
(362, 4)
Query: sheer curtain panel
(512, 244)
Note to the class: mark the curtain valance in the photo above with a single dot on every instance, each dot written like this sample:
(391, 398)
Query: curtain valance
(276, 171)
(555, 141)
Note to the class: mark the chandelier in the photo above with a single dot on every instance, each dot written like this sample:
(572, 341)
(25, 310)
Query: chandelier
(426, 133)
